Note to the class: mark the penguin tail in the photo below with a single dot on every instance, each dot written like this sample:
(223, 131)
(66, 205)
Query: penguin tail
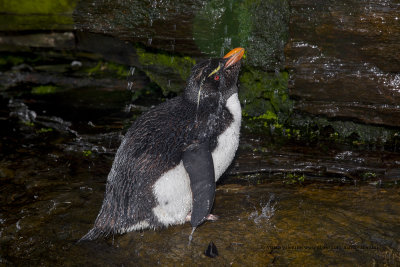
(93, 234)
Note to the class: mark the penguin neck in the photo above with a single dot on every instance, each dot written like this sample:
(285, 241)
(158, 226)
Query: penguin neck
(209, 106)
(199, 99)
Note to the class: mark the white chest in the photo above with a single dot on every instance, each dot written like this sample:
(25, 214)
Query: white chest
(228, 141)
(172, 190)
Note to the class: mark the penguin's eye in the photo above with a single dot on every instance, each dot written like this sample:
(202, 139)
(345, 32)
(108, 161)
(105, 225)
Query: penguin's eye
(216, 77)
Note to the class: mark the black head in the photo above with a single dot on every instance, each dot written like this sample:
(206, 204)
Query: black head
(214, 78)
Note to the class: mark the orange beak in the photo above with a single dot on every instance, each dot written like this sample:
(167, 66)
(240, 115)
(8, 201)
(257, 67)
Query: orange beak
(234, 56)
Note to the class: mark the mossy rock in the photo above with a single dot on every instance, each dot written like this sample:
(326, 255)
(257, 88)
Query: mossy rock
(261, 27)
(265, 94)
(169, 72)
(36, 15)
(45, 90)
(108, 69)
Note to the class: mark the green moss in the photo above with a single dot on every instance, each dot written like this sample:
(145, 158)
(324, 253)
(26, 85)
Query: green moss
(181, 65)
(294, 178)
(37, 6)
(87, 153)
(267, 108)
(120, 70)
(11, 60)
(108, 68)
(36, 14)
(45, 89)
(44, 130)
(29, 123)
(157, 66)
(265, 95)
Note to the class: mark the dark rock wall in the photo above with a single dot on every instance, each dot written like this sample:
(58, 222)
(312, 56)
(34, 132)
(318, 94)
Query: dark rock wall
(344, 58)
(193, 27)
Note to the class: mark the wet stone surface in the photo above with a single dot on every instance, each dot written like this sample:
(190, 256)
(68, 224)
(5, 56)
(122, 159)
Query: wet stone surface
(344, 59)
(283, 204)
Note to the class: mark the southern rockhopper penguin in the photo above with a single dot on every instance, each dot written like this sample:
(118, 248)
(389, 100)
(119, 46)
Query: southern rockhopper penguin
(166, 167)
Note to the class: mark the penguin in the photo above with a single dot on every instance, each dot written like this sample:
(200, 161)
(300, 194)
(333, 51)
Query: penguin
(165, 170)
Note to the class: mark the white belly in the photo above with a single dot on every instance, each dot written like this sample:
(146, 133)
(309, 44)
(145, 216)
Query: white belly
(173, 195)
(228, 141)
(172, 190)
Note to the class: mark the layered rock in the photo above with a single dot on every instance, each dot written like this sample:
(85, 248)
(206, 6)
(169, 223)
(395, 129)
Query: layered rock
(194, 28)
(344, 59)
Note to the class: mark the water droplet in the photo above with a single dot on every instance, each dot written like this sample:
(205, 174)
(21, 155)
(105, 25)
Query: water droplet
(130, 85)
(132, 71)
(222, 51)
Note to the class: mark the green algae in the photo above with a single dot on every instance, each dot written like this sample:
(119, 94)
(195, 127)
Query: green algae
(265, 95)
(261, 27)
(36, 14)
(45, 130)
(109, 68)
(181, 64)
(294, 178)
(29, 123)
(11, 60)
(37, 6)
(45, 89)
(267, 108)
(87, 153)
(157, 65)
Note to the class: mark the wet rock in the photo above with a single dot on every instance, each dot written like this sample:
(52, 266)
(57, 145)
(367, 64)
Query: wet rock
(19, 110)
(36, 15)
(344, 60)
(313, 161)
(193, 28)
(22, 68)
(196, 29)
(12, 79)
(37, 40)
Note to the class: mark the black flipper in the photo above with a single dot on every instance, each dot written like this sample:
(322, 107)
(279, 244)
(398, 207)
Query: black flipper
(198, 163)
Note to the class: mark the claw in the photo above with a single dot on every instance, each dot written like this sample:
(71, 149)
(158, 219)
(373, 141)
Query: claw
(209, 217)
(191, 235)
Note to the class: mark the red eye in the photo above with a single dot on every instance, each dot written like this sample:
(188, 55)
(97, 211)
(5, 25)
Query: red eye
(216, 77)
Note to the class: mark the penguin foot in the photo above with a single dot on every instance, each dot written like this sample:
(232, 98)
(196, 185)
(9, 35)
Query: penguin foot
(209, 217)
(212, 217)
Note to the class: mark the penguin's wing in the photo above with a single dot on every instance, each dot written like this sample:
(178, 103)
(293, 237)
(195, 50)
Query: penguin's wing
(198, 163)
